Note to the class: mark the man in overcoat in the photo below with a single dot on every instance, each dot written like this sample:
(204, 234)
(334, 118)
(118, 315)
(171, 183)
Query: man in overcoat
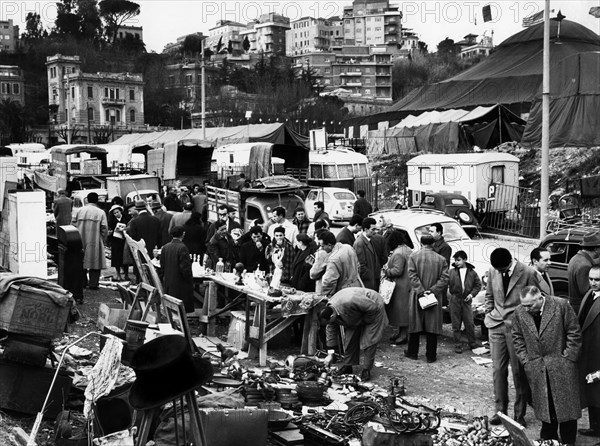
(92, 224)
(589, 360)
(369, 254)
(428, 274)
(547, 340)
(578, 267)
(176, 269)
(540, 261)
(145, 226)
(62, 208)
(362, 314)
(506, 278)
(341, 270)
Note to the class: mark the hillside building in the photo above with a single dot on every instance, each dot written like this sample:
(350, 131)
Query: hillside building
(12, 84)
(266, 35)
(9, 36)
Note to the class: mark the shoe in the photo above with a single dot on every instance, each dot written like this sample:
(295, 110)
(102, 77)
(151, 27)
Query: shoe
(521, 421)
(394, 337)
(410, 355)
(345, 370)
(589, 432)
(496, 420)
(402, 341)
(457, 349)
(365, 375)
(430, 360)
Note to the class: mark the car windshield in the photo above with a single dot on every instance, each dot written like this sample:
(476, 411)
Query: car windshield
(452, 231)
(343, 196)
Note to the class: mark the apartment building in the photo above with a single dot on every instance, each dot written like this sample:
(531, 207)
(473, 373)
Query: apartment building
(133, 32)
(12, 83)
(266, 35)
(93, 99)
(372, 22)
(308, 35)
(226, 31)
(9, 36)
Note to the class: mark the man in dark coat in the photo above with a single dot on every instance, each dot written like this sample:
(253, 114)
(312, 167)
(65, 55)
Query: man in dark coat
(506, 278)
(547, 340)
(301, 220)
(362, 206)
(145, 226)
(346, 235)
(300, 276)
(589, 361)
(540, 261)
(370, 255)
(579, 265)
(221, 245)
(428, 274)
(176, 269)
(320, 214)
(62, 208)
(172, 201)
(222, 215)
(252, 252)
(362, 314)
(439, 245)
(165, 219)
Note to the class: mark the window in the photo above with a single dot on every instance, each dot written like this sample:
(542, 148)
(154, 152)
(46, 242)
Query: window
(425, 175)
(498, 174)
(131, 94)
(90, 114)
(348, 196)
(312, 195)
(330, 171)
(90, 92)
(72, 92)
(5, 88)
(252, 212)
(449, 176)
(316, 171)
(16, 89)
(131, 115)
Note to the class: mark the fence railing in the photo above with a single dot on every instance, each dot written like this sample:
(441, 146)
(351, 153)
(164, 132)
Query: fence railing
(382, 192)
(513, 210)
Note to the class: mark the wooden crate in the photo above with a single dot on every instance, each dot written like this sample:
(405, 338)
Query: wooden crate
(33, 313)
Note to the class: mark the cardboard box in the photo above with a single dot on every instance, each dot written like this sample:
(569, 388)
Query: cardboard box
(32, 312)
(112, 314)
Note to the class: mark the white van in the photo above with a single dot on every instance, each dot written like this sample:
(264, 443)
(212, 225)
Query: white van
(337, 167)
(233, 159)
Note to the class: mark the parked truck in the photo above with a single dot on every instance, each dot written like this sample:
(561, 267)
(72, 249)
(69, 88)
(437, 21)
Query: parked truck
(258, 201)
(129, 187)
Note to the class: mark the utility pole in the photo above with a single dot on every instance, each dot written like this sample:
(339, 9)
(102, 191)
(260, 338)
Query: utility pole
(68, 110)
(545, 180)
(203, 90)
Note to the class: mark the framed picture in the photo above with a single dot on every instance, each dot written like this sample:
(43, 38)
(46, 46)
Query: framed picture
(146, 297)
(176, 316)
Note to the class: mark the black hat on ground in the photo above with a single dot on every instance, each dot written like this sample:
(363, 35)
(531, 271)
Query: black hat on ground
(165, 370)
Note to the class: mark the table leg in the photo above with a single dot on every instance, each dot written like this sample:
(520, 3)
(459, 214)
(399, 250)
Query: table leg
(209, 307)
(310, 333)
(262, 352)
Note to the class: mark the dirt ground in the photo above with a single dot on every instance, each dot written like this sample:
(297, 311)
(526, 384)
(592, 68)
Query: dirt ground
(454, 382)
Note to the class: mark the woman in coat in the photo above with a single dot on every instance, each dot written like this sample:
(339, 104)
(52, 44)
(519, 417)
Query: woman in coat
(117, 222)
(300, 268)
(396, 269)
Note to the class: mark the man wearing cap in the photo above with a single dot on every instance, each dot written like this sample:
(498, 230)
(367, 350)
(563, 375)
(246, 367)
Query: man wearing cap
(92, 224)
(579, 266)
(291, 230)
(145, 226)
(506, 279)
(62, 208)
(362, 314)
(589, 360)
(181, 218)
(176, 269)
(165, 221)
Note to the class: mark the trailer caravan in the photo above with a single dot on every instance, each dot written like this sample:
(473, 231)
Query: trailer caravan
(473, 175)
(233, 159)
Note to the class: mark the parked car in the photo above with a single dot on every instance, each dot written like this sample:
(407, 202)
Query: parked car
(563, 245)
(455, 206)
(339, 202)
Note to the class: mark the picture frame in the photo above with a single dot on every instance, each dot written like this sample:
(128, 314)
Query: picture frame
(177, 318)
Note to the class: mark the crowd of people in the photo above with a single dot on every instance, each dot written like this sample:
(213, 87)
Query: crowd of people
(549, 342)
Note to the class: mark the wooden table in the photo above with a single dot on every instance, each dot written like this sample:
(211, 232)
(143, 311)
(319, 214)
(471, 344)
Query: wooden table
(258, 331)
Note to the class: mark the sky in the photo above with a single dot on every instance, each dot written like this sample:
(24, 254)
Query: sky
(163, 21)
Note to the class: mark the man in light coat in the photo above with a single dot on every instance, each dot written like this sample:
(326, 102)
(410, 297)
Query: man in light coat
(506, 278)
(92, 224)
(547, 340)
(428, 274)
(362, 314)
(341, 270)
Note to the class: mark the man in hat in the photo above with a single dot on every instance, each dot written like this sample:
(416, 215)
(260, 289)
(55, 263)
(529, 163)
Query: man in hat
(579, 266)
(589, 360)
(180, 218)
(62, 208)
(540, 261)
(165, 222)
(92, 224)
(547, 341)
(145, 226)
(176, 269)
(506, 279)
(428, 274)
(362, 314)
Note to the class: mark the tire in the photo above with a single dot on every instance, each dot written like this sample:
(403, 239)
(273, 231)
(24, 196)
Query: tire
(464, 217)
